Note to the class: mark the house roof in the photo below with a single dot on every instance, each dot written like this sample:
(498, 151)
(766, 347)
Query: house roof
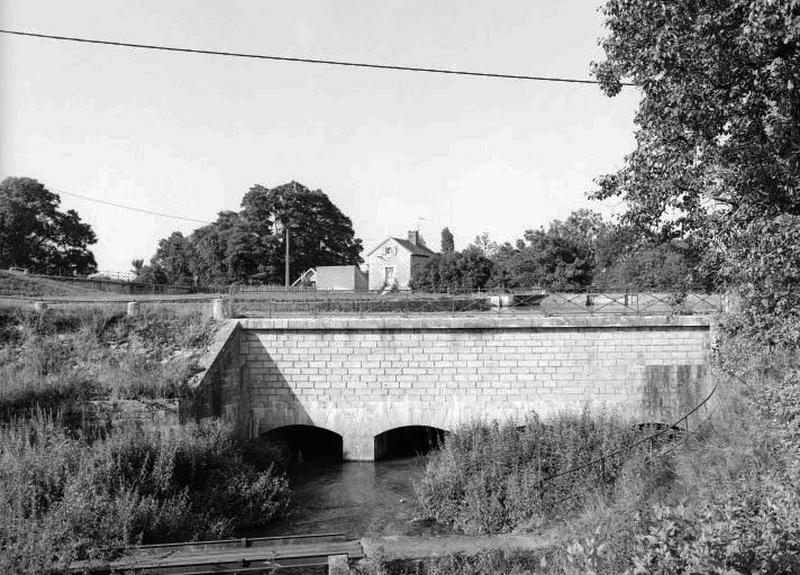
(416, 250)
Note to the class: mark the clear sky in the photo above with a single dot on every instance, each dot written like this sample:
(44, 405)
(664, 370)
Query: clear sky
(189, 134)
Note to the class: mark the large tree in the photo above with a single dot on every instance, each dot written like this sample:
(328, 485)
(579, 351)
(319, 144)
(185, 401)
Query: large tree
(717, 158)
(36, 235)
(561, 255)
(249, 245)
(319, 233)
(175, 258)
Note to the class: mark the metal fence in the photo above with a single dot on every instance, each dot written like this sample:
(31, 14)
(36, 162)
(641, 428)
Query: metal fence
(588, 301)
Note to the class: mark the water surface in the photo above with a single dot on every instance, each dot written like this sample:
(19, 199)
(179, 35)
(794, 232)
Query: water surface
(361, 499)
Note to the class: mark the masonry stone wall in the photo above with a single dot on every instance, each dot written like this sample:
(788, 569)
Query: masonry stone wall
(221, 389)
(153, 414)
(360, 377)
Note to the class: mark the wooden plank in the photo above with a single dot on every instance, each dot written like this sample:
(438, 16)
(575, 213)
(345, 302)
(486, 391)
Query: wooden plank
(245, 542)
(175, 561)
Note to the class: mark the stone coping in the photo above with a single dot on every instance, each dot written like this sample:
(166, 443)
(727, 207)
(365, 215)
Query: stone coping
(426, 322)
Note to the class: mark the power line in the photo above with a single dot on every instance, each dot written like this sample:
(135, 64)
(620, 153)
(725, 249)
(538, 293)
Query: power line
(131, 208)
(306, 60)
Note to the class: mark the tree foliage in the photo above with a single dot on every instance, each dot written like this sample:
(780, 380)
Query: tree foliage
(320, 234)
(36, 235)
(581, 250)
(719, 120)
(717, 157)
(466, 270)
(562, 255)
(448, 243)
(249, 245)
(174, 258)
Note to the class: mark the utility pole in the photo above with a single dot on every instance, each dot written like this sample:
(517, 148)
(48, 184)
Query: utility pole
(286, 241)
(286, 228)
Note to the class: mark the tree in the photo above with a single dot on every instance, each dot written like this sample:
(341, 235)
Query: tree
(716, 159)
(665, 266)
(35, 235)
(319, 233)
(249, 245)
(136, 266)
(561, 255)
(484, 244)
(448, 243)
(466, 270)
(174, 258)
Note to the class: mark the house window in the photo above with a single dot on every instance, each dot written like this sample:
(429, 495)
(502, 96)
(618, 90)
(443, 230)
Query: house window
(388, 251)
(389, 275)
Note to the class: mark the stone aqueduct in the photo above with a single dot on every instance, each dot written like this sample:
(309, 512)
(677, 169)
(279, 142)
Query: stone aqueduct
(361, 377)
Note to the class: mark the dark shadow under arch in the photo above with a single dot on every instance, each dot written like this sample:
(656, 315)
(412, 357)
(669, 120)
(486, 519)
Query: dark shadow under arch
(307, 442)
(407, 441)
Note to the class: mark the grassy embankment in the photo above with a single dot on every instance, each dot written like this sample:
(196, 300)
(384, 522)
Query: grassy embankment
(15, 284)
(59, 359)
(725, 501)
(71, 495)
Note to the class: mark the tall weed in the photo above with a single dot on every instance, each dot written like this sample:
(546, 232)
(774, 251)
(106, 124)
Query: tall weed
(487, 477)
(66, 498)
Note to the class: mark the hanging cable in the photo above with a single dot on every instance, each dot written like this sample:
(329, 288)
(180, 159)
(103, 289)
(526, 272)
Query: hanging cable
(328, 62)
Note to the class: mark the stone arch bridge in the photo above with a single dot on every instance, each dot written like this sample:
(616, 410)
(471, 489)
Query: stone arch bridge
(362, 377)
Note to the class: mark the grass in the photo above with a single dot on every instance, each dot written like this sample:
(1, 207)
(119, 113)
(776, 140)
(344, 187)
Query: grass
(60, 359)
(22, 285)
(66, 498)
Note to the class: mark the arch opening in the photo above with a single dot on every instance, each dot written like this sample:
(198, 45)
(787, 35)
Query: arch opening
(307, 443)
(407, 441)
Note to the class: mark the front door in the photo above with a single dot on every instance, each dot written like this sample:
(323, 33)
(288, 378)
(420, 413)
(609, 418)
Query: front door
(389, 273)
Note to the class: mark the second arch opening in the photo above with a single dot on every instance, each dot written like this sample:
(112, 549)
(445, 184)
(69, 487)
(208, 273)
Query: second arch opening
(407, 441)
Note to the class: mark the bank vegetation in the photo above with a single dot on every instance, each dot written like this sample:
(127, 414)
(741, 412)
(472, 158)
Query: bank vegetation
(76, 491)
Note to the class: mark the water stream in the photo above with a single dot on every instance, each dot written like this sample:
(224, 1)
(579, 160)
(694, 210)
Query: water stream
(361, 499)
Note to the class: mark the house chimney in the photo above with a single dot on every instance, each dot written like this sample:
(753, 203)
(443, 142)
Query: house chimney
(413, 237)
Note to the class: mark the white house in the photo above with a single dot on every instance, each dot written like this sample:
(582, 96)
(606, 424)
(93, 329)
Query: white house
(393, 261)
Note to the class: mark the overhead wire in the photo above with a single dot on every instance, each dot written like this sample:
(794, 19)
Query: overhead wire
(296, 59)
(132, 208)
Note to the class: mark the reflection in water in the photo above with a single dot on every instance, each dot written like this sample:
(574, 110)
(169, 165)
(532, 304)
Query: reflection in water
(362, 499)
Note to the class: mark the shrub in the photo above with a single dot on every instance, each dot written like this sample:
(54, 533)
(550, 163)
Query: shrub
(727, 500)
(66, 498)
(486, 476)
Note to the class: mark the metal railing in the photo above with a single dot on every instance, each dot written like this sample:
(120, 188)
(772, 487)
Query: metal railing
(592, 300)
(588, 301)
